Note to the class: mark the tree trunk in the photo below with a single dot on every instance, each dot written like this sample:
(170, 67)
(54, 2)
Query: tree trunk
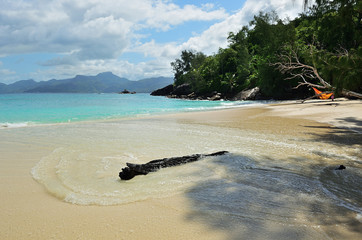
(296, 69)
(348, 93)
(132, 169)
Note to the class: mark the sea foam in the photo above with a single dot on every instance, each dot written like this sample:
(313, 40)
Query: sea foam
(15, 125)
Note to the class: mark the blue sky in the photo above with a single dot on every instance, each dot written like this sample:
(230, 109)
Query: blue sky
(136, 39)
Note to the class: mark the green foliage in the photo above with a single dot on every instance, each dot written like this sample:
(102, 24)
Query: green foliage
(338, 23)
(327, 37)
(184, 67)
(343, 68)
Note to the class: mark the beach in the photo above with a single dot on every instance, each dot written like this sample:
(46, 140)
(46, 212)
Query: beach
(59, 181)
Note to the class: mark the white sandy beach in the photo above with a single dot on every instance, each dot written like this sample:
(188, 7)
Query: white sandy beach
(341, 113)
(28, 210)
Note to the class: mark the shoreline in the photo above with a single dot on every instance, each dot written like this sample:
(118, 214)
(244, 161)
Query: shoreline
(341, 113)
(287, 108)
(33, 213)
(223, 105)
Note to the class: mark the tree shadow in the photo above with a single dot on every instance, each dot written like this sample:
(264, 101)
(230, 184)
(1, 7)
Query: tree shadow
(355, 124)
(248, 199)
(349, 135)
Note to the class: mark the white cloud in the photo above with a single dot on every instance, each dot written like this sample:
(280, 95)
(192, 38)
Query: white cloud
(164, 15)
(99, 28)
(91, 35)
(132, 71)
(216, 35)
(6, 72)
(6, 75)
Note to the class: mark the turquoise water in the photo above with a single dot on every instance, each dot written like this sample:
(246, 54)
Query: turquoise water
(27, 109)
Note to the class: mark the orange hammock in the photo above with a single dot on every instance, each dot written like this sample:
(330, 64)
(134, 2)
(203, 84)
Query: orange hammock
(322, 95)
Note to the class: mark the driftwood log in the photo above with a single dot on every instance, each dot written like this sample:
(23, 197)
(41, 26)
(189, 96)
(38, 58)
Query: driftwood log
(132, 169)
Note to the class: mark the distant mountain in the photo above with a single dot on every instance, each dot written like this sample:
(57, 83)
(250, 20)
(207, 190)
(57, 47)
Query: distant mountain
(20, 86)
(105, 82)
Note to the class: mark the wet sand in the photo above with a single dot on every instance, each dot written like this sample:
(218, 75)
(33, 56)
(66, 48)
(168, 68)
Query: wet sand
(29, 212)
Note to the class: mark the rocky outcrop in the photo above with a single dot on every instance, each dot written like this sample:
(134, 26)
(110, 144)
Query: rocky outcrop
(215, 96)
(184, 91)
(133, 170)
(163, 91)
(250, 94)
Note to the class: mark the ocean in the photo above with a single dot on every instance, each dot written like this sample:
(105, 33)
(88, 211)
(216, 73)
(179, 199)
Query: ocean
(19, 110)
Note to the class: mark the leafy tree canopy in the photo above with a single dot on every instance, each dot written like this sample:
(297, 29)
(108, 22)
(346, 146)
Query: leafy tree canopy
(326, 38)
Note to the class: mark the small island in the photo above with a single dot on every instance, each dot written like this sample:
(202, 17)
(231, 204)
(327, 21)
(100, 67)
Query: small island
(125, 91)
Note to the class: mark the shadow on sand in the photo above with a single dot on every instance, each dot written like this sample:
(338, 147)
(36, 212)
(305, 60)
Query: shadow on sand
(337, 136)
(252, 200)
(268, 199)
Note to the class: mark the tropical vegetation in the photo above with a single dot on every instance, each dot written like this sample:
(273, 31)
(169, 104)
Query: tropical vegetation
(284, 58)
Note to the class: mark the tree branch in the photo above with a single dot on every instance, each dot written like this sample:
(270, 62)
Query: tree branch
(290, 64)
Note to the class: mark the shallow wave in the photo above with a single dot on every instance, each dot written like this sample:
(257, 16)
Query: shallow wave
(78, 177)
(223, 105)
(15, 125)
(344, 186)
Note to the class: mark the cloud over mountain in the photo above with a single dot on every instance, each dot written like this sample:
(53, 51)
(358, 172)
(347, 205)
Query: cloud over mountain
(86, 37)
